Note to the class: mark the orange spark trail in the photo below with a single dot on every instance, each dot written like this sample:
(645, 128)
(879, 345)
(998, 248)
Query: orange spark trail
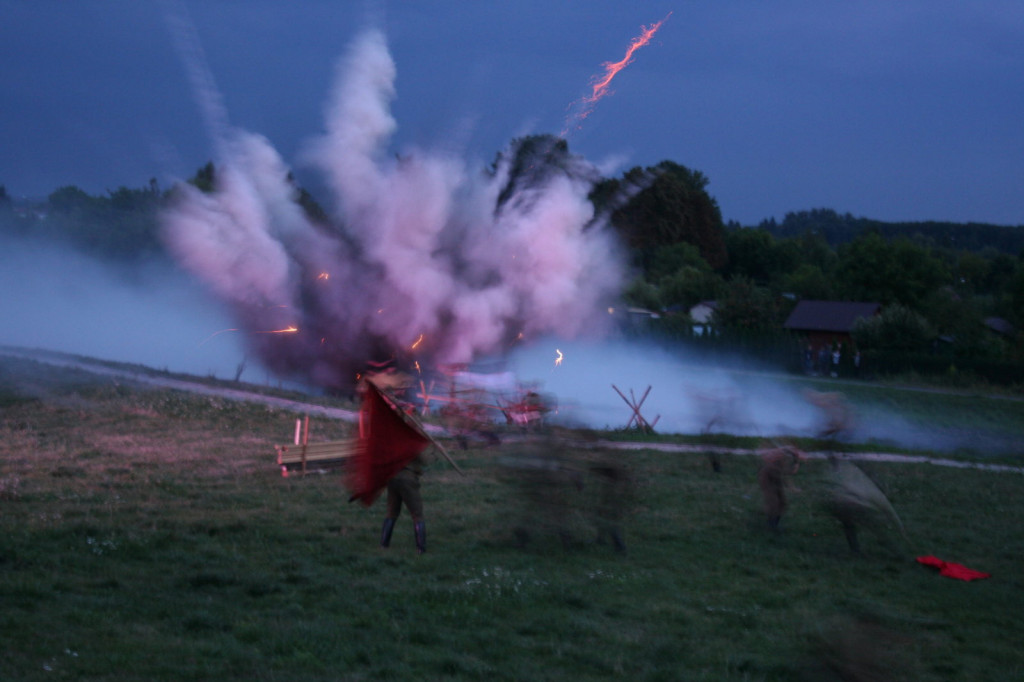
(286, 330)
(611, 69)
(215, 334)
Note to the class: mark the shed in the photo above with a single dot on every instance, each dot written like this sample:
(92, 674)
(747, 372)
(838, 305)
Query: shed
(824, 323)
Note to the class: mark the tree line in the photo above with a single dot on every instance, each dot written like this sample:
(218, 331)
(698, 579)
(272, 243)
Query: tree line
(937, 282)
(839, 229)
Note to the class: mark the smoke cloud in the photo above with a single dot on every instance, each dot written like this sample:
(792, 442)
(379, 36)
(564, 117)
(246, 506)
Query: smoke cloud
(690, 396)
(58, 299)
(423, 258)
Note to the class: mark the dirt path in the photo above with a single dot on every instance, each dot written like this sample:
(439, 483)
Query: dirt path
(864, 456)
(148, 379)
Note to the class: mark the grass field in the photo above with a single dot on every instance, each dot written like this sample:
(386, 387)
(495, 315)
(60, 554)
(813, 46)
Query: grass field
(147, 534)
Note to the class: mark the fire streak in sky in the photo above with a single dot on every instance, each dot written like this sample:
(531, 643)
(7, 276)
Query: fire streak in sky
(233, 329)
(287, 330)
(602, 82)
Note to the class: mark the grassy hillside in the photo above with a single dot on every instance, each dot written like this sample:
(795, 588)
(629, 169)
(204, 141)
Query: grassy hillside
(147, 534)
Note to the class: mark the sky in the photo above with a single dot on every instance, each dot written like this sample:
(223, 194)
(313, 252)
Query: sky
(901, 111)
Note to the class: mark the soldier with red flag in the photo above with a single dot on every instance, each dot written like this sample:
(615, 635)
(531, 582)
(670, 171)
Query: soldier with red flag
(390, 456)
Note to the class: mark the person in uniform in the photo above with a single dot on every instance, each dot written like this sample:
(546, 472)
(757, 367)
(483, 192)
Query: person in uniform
(404, 489)
(545, 485)
(857, 502)
(777, 465)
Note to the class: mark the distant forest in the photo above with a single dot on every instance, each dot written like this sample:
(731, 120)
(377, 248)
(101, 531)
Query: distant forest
(839, 229)
(950, 288)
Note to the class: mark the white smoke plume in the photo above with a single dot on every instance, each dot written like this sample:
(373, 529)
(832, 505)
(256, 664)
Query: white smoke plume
(423, 259)
(681, 392)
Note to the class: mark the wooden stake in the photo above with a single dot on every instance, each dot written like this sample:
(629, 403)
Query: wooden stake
(305, 442)
(641, 423)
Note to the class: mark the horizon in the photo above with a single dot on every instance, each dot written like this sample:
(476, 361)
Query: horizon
(25, 201)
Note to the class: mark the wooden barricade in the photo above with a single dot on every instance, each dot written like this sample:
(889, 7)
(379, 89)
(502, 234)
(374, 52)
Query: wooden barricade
(637, 418)
(304, 456)
(315, 456)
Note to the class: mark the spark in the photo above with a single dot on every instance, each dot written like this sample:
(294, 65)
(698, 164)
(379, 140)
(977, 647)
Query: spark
(287, 330)
(415, 345)
(324, 276)
(602, 82)
(216, 334)
(558, 360)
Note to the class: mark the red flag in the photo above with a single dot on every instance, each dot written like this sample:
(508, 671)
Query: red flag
(387, 442)
(952, 570)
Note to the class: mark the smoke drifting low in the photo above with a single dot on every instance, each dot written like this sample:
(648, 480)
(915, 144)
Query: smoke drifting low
(59, 299)
(690, 396)
(686, 395)
(423, 259)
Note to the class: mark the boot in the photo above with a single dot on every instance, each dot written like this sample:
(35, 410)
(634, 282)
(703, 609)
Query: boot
(385, 533)
(419, 531)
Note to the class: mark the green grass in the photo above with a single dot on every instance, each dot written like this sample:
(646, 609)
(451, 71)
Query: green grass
(148, 535)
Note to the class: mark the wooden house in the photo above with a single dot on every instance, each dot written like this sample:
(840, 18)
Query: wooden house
(825, 323)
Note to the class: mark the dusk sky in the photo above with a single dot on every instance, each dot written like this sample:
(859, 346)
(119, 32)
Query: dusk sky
(895, 111)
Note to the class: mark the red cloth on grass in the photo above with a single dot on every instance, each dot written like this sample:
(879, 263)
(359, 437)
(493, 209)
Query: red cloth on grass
(386, 444)
(952, 570)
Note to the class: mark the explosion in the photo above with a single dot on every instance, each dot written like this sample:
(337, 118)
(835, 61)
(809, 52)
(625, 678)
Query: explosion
(425, 257)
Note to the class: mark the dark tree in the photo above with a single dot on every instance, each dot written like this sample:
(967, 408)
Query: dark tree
(840, 229)
(121, 225)
(533, 161)
(756, 254)
(873, 269)
(745, 308)
(310, 206)
(896, 328)
(669, 204)
(205, 179)
(807, 281)
(69, 199)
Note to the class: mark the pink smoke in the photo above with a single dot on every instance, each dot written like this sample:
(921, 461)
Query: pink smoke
(417, 245)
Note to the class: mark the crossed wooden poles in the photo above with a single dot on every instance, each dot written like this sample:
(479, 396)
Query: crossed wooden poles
(637, 418)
